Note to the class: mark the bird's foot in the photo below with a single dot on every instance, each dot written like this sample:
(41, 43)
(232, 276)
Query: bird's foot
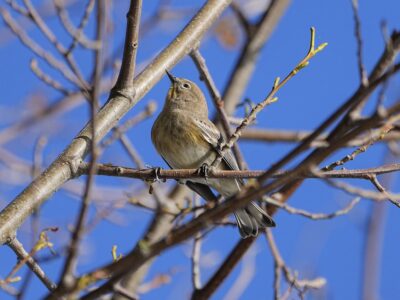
(204, 171)
(156, 171)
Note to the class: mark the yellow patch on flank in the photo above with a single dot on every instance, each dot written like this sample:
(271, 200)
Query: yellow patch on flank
(194, 134)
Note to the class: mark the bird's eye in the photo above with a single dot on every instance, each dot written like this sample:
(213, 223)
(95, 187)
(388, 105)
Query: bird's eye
(186, 85)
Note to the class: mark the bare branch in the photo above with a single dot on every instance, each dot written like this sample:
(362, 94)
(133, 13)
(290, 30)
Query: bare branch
(152, 174)
(357, 32)
(313, 216)
(27, 258)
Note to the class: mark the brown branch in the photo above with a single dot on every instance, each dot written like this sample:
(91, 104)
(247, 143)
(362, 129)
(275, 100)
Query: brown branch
(364, 193)
(245, 277)
(377, 135)
(362, 93)
(126, 294)
(154, 174)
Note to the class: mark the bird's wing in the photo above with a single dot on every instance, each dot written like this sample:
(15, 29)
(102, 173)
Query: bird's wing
(214, 138)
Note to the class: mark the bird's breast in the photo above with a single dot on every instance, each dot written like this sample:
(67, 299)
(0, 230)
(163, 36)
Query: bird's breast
(180, 142)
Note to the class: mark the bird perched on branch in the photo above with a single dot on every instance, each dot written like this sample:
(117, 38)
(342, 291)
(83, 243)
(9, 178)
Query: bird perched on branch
(185, 138)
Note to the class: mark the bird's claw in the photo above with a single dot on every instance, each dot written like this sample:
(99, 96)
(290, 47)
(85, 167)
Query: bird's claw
(157, 171)
(204, 170)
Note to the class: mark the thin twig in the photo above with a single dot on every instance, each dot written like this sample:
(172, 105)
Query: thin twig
(77, 33)
(313, 216)
(378, 135)
(357, 32)
(364, 193)
(47, 79)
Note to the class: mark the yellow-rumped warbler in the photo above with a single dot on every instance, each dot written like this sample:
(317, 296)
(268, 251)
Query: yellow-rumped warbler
(185, 137)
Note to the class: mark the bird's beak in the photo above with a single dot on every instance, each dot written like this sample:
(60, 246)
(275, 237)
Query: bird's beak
(170, 76)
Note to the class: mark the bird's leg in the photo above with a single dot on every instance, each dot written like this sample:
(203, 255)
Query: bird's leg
(204, 171)
(156, 171)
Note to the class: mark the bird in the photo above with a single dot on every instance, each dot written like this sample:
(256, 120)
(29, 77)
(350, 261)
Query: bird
(186, 139)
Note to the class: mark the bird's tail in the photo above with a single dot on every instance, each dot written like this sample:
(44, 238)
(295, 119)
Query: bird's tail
(251, 219)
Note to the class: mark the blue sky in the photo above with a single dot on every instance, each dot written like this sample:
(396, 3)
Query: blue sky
(332, 249)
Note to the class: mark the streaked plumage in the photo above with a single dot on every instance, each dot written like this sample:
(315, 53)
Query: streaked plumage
(185, 137)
